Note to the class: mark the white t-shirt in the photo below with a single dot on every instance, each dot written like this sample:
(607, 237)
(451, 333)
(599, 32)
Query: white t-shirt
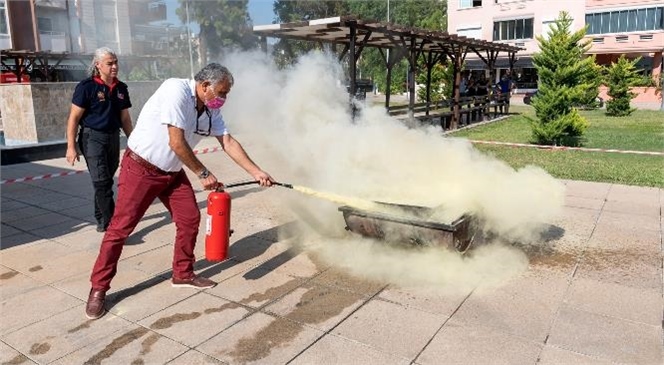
(174, 103)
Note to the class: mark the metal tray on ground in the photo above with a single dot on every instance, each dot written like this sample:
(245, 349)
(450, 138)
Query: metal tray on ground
(409, 227)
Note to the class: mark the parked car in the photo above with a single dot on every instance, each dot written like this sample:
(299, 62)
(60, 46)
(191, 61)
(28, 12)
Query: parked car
(527, 99)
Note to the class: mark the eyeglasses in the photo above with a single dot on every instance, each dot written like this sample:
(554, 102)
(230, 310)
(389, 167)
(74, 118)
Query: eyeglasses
(209, 130)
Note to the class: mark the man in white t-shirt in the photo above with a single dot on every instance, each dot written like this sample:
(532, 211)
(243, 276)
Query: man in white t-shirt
(175, 118)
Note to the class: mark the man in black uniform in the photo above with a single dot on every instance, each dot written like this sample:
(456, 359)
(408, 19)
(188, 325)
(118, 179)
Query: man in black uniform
(100, 107)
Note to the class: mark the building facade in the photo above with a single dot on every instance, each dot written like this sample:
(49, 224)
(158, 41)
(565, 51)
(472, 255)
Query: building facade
(634, 28)
(72, 29)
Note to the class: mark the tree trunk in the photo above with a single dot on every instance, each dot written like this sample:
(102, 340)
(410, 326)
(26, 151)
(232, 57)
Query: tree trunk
(202, 50)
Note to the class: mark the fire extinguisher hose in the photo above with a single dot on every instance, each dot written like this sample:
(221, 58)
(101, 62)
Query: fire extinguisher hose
(243, 183)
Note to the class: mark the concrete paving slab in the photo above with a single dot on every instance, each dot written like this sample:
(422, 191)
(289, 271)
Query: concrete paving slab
(9, 355)
(15, 283)
(9, 205)
(432, 300)
(61, 334)
(257, 288)
(609, 236)
(260, 339)
(195, 319)
(79, 285)
(333, 349)
(583, 202)
(552, 355)
(629, 267)
(514, 309)
(587, 189)
(391, 328)
(146, 298)
(17, 240)
(30, 255)
(193, 357)
(651, 208)
(628, 221)
(33, 306)
(457, 343)
(132, 345)
(638, 305)
(49, 269)
(607, 337)
(7, 230)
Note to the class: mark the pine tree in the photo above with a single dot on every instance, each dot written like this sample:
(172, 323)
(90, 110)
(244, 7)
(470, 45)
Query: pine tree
(566, 79)
(620, 77)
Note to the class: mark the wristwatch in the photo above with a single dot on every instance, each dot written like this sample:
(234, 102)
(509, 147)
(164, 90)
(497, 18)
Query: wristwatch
(204, 174)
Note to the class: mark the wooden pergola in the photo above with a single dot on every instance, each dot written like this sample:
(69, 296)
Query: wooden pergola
(413, 44)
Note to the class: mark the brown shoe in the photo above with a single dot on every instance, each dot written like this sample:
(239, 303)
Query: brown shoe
(197, 282)
(95, 307)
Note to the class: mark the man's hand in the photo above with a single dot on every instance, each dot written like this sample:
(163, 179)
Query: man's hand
(263, 178)
(72, 156)
(211, 182)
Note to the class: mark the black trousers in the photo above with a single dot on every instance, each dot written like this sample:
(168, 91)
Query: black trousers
(101, 151)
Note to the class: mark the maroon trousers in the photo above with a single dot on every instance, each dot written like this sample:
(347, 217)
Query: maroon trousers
(138, 186)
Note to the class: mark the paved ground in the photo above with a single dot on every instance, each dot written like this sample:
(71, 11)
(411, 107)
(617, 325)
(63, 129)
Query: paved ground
(592, 296)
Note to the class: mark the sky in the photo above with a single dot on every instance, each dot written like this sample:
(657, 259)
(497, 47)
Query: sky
(260, 11)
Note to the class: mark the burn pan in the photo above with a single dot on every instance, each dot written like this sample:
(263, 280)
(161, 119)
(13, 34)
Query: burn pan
(409, 225)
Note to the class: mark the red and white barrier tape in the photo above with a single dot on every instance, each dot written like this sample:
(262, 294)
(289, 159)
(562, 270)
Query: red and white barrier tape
(39, 177)
(69, 173)
(545, 147)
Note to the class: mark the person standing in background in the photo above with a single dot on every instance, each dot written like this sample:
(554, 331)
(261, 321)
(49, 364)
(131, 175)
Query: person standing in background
(100, 107)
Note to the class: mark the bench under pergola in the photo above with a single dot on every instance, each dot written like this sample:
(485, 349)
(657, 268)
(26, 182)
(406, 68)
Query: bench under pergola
(413, 44)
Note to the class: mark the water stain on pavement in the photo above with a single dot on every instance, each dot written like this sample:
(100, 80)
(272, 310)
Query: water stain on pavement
(319, 304)
(40, 348)
(279, 332)
(83, 325)
(115, 345)
(18, 359)
(35, 268)
(146, 345)
(8, 275)
(272, 293)
(221, 308)
(166, 322)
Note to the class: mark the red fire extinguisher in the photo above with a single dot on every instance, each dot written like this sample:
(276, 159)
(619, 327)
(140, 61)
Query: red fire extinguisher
(218, 226)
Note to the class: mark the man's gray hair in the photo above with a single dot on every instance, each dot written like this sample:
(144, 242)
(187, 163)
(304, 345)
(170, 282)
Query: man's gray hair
(99, 54)
(214, 73)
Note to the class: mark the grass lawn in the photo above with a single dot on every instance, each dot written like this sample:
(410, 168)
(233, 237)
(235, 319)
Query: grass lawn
(642, 131)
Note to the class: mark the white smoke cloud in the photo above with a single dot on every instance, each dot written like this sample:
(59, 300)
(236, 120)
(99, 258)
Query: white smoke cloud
(301, 119)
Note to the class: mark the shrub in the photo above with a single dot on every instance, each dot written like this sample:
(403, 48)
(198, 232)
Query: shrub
(567, 78)
(621, 75)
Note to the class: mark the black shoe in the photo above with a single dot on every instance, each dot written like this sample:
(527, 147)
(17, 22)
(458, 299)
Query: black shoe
(101, 228)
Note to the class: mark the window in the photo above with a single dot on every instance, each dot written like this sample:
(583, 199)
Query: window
(513, 29)
(106, 29)
(621, 21)
(4, 29)
(470, 32)
(44, 24)
(463, 4)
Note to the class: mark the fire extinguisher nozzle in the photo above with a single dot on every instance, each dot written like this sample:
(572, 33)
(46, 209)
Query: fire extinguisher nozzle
(288, 186)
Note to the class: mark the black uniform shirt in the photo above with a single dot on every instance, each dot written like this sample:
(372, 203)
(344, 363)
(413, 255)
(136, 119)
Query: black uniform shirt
(102, 103)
